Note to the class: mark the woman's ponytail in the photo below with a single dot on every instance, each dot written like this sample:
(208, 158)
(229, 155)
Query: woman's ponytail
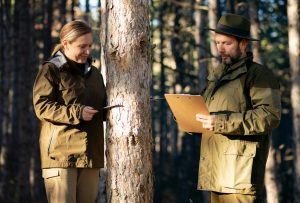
(56, 48)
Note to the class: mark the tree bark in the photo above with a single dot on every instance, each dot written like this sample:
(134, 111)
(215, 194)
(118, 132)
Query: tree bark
(47, 30)
(129, 141)
(6, 96)
(16, 155)
(230, 6)
(213, 6)
(294, 56)
(87, 10)
(270, 178)
(200, 41)
(63, 11)
(255, 31)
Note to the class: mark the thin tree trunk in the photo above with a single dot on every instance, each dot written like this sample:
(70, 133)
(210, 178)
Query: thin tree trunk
(22, 98)
(6, 96)
(271, 183)
(162, 129)
(255, 31)
(47, 30)
(73, 4)
(230, 6)
(200, 41)
(129, 141)
(16, 161)
(242, 8)
(213, 6)
(63, 11)
(87, 10)
(294, 56)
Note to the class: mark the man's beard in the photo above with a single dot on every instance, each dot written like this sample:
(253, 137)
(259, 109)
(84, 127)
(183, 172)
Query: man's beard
(232, 59)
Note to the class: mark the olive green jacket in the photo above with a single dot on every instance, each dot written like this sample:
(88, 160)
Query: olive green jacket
(60, 93)
(245, 98)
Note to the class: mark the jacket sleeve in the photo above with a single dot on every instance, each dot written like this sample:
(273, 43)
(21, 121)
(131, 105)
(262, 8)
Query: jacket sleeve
(45, 99)
(266, 108)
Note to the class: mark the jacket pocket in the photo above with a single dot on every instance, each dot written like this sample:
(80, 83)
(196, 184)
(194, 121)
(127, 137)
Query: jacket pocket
(52, 140)
(238, 162)
(50, 173)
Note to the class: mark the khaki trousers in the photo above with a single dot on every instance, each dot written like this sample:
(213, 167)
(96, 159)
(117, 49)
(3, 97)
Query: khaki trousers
(216, 197)
(71, 185)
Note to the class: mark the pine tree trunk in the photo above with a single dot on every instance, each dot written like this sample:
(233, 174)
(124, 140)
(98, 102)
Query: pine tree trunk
(270, 178)
(255, 31)
(129, 140)
(230, 6)
(200, 41)
(294, 56)
(47, 30)
(213, 6)
(6, 96)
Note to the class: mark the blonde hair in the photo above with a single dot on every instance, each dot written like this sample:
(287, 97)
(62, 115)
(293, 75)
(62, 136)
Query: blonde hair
(71, 31)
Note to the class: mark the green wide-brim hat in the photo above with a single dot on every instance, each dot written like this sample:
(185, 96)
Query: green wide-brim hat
(235, 25)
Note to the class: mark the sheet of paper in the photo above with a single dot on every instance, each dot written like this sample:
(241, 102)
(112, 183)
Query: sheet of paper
(184, 108)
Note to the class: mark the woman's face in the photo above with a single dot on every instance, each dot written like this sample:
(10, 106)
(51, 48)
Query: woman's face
(79, 50)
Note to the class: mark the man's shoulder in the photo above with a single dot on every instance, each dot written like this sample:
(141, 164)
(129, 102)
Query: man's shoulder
(262, 74)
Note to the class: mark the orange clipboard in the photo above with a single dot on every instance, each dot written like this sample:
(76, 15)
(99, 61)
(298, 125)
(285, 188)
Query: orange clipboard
(184, 108)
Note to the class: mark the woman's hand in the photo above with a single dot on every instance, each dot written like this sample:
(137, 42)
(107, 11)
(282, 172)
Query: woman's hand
(88, 113)
(208, 121)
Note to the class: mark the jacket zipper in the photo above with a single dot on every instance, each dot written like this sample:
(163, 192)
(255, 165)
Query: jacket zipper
(52, 139)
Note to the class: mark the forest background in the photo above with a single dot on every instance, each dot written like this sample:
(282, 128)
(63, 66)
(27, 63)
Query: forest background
(181, 53)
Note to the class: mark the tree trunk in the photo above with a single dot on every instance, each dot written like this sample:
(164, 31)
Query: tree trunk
(63, 12)
(270, 178)
(73, 4)
(230, 6)
(162, 129)
(47, 30)
(255, 31)
(16, 163)
(200, 41)
(129, 141)
(6, 96)
(294, 56)
(87, 10)
(213, 6)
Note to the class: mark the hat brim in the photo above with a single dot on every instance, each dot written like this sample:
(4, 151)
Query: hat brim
(232, 34)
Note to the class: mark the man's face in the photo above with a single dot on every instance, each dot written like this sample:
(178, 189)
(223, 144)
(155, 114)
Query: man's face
(229, 49)
(79, 50)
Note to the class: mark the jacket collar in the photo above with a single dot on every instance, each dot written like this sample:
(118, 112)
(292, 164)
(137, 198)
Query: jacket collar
(225, 72)
(60, 61)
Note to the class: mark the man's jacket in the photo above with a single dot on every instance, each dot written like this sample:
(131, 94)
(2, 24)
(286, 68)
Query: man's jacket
(60, 93)
(245, 98)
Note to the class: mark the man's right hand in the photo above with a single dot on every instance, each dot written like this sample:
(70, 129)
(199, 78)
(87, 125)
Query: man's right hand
(88, 112)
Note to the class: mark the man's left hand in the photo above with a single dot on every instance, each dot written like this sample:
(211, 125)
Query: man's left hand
(208, 121)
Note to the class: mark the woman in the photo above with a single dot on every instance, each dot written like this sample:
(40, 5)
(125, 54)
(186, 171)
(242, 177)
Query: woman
(69, 96)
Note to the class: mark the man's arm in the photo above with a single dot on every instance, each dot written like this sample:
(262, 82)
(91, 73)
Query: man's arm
(265, 115)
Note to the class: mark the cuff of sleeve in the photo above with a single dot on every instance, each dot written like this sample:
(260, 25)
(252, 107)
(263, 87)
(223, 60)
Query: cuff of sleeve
(220, 123)
(229, 123)
(80, 112)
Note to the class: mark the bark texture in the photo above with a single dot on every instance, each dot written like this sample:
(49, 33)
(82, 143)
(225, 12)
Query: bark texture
(294, 55)
(125, 36)
(213, 20)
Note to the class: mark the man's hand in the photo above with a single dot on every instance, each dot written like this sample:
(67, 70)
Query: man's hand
(208, 121)
(88, 113)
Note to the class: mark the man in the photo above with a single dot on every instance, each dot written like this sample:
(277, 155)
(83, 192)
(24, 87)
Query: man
(243, 98)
